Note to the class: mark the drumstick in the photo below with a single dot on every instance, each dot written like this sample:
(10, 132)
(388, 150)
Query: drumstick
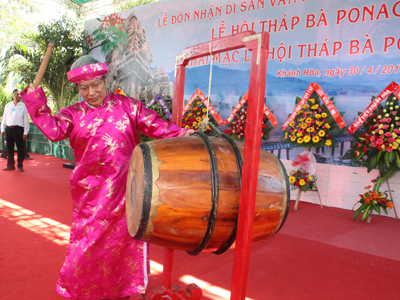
(43, 65)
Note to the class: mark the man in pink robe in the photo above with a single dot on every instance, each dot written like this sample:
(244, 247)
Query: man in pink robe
(103, 261)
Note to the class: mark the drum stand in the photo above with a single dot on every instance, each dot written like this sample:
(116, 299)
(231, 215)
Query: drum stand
(258, 44)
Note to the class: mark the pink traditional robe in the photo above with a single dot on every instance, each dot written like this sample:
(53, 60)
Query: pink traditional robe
(102, 260)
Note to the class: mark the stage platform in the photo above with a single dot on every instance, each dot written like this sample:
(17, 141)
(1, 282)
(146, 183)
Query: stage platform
(318, 254)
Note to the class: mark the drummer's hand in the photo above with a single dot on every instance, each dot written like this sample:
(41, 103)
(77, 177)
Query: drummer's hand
(31, 88)
(189, 132)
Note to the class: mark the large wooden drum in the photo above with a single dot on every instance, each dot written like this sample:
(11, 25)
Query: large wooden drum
(183, 193)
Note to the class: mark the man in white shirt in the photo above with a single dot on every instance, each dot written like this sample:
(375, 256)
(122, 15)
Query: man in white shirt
(15, 126)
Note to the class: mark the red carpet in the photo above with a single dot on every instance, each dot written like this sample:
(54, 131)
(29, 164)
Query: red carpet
(318, 254)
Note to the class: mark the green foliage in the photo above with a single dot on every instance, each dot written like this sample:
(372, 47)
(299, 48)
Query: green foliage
(313, 126)
(4, 99)
(25, 62)
(15, 19)
(124, 5)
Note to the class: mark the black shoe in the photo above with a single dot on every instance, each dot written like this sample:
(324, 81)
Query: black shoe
(20, 169)
(9, 169)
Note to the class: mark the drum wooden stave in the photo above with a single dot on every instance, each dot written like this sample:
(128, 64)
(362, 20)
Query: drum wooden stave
(183, 193)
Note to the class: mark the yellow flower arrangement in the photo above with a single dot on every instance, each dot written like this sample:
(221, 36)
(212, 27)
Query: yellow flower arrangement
(302, 180)
(314, 125)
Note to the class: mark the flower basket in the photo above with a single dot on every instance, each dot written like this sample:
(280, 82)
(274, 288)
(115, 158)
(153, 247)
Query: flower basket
(372, 201)
(313, 126)
(302, 180)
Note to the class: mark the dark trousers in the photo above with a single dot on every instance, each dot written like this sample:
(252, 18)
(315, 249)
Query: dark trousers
(4, 154)
(15, 135)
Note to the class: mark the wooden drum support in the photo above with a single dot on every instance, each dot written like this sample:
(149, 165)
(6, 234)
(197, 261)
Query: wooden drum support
(183, 193)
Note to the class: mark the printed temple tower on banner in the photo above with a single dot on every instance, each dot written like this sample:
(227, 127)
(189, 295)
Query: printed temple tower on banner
(129, 67)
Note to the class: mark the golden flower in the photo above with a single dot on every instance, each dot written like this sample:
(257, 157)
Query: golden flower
(302, 182)
(203, 116)
(324, 115)
(309, 120)
(299, 134)
(198, 119)
(300, 140)
(189, 115)
(204, 110)
(328, 142)
(194, 123)
(327, 126)
(315, 139)
(321, 133)
(198, 102)
(300, 112)
(318, 116)
(286, 135)
(312, 100)
(381, 132)
(293, 138)
(310, 129)
(305, 106)
(187, 126)
(310, 177)
(314, 107)
(304, 125)
(291, 124)
(319, 123)
(292, 179)
(307, 138)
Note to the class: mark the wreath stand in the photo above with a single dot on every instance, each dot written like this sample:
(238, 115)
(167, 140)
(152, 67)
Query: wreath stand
(258, 44)
(311, 190)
